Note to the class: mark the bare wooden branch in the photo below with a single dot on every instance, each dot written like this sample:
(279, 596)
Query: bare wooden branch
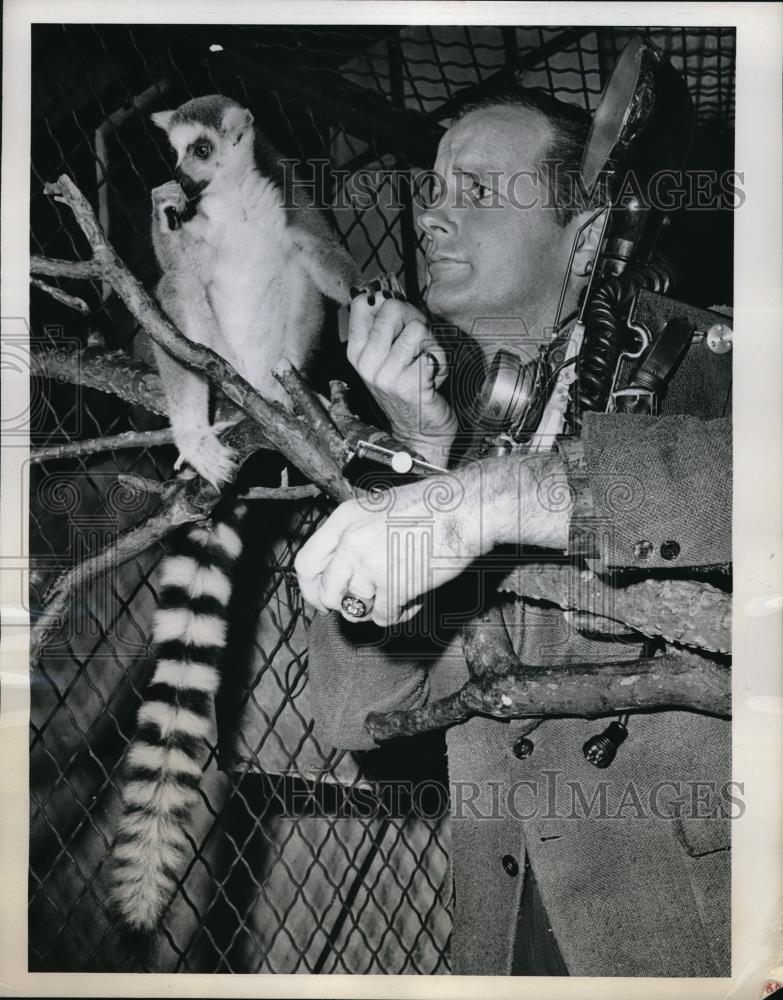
(281, 493)
(72, 301)
(53, 268)
(281, 429)
(178, 509)
(688, 612)
(354, 430)
(114, 442)
(313, 410)
(142, 484)
(504, 687)
(116, 372)
(134, 381)
(679, 679)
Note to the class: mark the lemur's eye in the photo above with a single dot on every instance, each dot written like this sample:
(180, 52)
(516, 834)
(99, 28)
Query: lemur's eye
(202, 150)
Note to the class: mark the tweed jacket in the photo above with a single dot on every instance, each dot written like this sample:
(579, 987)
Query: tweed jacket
(639, 883)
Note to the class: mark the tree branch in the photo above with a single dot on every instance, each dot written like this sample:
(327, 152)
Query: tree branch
(688, 612)
(280, 493)
(115, 442)
(86, 270)
(313, 410)
(179, 507)
(116, 372)
(354, 430)
(142, 484)
(676, 680)
(504, 687)
(72, 301)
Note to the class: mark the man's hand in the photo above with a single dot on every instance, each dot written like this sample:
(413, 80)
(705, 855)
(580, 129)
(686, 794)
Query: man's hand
(390, 549)
(403, 366)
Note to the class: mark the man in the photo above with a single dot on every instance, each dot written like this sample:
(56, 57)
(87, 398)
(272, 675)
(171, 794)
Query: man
(543, 884)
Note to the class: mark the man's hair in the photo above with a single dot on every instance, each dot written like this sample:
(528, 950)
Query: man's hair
(570, 125)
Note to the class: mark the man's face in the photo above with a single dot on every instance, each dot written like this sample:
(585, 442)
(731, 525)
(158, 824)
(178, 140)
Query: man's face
(487, 255)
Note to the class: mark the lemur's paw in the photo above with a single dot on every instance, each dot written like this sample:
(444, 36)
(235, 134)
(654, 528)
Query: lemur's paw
(385, 284)
(168, 196)
(202, 450)
(347, 276)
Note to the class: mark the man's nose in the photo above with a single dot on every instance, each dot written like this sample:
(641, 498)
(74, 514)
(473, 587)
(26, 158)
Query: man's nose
(436, 222)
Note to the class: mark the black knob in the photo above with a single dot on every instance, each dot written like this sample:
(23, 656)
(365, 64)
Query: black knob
(670, 550)
(601, 750)
(510, 865)
(523, 747)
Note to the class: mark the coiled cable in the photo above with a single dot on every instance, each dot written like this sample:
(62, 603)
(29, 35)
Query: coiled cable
(606, 333)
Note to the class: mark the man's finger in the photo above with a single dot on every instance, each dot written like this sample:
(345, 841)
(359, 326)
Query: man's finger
(414, 342)
(336, 578)
(436, 364)
(409, 344)
(361, 320)
(314, 556)
(396, 615)
(389, 322)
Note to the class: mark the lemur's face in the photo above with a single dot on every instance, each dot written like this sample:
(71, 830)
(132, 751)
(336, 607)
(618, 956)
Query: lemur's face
(209, 156)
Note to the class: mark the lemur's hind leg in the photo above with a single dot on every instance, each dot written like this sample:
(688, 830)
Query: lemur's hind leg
(184, 300)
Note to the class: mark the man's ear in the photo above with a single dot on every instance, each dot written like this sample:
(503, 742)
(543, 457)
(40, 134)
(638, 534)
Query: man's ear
(236, 121)
(162, 119)
(586, 243)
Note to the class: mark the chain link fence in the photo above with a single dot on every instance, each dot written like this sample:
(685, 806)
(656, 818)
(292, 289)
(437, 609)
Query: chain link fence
(290, 869)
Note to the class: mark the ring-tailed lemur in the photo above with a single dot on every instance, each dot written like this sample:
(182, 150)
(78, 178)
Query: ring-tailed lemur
(244, 275)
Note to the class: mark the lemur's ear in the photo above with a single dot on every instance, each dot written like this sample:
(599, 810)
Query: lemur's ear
(236, 121)
(162, 119)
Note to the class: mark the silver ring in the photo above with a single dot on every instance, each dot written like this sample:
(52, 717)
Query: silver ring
(356, 607)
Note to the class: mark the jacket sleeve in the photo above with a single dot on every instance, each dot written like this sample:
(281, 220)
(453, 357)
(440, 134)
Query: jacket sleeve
(357, 669)
(659, 491)
(350, 678)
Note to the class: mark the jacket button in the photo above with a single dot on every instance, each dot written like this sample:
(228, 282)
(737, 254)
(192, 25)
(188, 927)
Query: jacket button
(670, 550)
(510, 865)
(523, 747)
(643, 550)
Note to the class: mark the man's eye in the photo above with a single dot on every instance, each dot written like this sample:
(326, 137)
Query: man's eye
(428, 190)
(481, 191)
(202, 150)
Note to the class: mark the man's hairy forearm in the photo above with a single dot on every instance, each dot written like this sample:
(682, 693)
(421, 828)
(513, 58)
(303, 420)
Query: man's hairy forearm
(528, 500)
(513, 499)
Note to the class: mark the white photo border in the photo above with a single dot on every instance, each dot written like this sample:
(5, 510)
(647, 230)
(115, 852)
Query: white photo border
(758, 524)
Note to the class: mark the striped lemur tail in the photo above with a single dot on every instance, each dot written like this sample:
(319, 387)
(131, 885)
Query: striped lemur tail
(164, 763)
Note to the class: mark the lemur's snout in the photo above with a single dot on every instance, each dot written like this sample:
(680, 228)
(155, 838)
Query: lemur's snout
(191, 187)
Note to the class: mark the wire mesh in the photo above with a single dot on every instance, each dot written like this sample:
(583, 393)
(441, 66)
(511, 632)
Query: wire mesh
(287, 873)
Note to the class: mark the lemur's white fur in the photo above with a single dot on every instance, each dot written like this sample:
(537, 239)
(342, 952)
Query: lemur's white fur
(244, 275)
